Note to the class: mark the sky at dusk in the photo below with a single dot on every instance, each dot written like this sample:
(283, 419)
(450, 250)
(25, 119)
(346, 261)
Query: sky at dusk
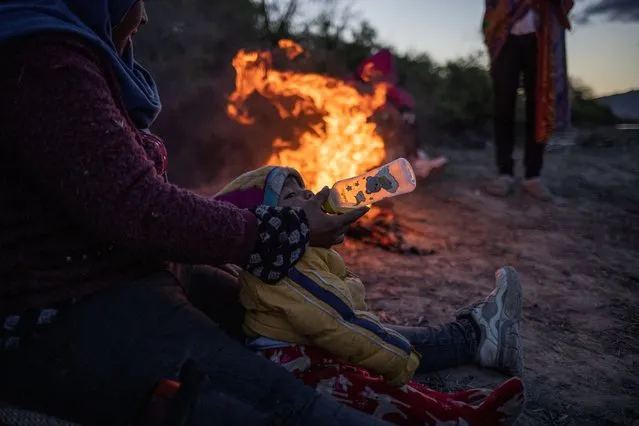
(603, 47)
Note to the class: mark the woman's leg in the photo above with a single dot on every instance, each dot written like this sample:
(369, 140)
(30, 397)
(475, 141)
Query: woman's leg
(533, 151)
(98, 363)
(505, 73)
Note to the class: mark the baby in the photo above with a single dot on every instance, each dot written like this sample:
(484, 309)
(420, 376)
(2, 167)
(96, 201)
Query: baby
(315, 323)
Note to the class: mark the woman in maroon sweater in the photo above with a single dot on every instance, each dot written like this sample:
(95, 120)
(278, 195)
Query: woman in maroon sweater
(90, 317)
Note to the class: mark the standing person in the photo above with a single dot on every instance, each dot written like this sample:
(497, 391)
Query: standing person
(527, 38)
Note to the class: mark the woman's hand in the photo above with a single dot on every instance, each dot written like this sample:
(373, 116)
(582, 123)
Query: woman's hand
(327, 230)
(231, 269)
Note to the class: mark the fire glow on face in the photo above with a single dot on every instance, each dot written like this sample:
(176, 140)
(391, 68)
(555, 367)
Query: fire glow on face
(344, 144)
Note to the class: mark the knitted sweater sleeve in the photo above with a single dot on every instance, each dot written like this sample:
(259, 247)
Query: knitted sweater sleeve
(71, 138)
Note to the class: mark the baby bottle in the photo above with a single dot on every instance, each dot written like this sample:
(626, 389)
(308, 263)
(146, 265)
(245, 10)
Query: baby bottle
(390, 180)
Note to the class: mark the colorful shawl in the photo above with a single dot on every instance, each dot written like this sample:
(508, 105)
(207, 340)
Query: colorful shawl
(553, 89)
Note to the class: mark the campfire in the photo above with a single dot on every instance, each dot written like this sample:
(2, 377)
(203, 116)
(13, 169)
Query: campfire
(343, 143)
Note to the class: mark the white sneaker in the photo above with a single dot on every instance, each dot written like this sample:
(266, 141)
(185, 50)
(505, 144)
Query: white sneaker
(499, 318)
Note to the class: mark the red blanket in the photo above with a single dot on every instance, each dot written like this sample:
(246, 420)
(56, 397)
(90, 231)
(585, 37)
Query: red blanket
(413, 404)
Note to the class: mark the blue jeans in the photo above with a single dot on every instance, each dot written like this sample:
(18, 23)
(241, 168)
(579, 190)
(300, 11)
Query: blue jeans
(98, 362)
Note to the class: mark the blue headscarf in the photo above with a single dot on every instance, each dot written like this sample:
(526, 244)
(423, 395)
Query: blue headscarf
(91, 20)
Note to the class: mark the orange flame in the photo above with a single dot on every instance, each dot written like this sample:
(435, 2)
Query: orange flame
(344, 144)
(292, 49)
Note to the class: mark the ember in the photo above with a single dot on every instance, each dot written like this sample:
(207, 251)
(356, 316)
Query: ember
(344, 144)
(381, 228)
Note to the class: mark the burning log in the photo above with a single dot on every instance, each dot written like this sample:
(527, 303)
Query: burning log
(381, 228)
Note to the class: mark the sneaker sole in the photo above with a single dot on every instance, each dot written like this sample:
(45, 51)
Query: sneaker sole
(509, 293)
(508, 303)
(510, 339)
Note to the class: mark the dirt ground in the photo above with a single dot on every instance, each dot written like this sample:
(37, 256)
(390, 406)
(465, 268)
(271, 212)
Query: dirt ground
(578, 257)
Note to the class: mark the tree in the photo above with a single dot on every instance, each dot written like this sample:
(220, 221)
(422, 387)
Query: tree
(465, 96)
(585, 108)
(331, 22)
(275, 19)
(363, 43)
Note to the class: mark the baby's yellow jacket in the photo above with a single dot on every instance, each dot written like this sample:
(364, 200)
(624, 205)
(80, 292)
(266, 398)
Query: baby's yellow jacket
(321, 304)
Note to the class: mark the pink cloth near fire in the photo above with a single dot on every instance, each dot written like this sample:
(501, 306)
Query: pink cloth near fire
(382, 66)
(400, 98)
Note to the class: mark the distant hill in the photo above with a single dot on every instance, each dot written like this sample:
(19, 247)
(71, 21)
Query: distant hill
(624, 105)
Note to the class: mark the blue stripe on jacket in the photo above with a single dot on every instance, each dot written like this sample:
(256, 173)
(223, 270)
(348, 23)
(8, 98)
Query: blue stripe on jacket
(345, 311)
